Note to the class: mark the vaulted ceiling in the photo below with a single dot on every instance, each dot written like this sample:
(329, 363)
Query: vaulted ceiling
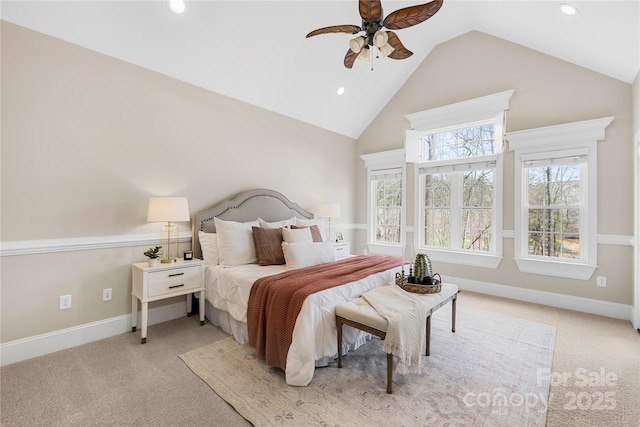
(256, 51)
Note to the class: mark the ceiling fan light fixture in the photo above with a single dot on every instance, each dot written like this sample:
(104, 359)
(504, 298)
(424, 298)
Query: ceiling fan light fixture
(386, 50)
(364, 54)
(380, 38)
(356, 44)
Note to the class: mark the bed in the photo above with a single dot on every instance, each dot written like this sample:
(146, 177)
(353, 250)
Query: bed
(230, 276)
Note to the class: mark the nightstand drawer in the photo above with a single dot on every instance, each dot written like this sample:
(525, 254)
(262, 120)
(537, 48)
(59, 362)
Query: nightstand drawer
(172, 280)
(342, 249)
(169, 286)
(174, 274)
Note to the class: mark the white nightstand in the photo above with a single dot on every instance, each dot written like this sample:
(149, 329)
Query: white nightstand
(342, 248)
(165, 281)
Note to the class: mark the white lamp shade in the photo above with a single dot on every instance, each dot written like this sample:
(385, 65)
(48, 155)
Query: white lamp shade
(380, 38)
(364, 54)
(356, 44)
(386, 50)
(329, 210)
(163, 209)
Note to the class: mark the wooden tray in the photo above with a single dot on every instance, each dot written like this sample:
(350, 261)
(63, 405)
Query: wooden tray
(417, 288)
(422, 289)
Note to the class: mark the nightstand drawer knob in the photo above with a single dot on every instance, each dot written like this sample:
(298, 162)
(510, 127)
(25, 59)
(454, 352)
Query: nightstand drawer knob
(176, 286)
(176, 274)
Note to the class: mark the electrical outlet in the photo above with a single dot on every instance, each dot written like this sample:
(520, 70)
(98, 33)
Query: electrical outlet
(65, 302)
(106, 294)
(601, 281)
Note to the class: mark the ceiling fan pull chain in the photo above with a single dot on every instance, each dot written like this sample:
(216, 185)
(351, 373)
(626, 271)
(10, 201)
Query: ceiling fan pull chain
(371, 57)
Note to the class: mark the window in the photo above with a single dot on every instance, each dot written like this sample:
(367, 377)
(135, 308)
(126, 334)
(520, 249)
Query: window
(385, 201)
(457, 200)
(553, 208)
(387, 205)
(457, 150)
(555, 196)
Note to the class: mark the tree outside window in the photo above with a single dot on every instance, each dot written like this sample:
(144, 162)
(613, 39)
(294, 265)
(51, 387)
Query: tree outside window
(388, 208)
(554, 206)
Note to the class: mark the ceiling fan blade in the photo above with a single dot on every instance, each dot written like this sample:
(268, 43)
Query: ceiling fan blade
(413, 15)
(349, 29)
(370, 9)
(399, 51)
(350, 58)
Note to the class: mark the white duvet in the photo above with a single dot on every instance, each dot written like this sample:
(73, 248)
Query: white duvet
(314, 340)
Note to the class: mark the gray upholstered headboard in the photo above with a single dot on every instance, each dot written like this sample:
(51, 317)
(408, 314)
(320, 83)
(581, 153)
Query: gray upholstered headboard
(246, 206)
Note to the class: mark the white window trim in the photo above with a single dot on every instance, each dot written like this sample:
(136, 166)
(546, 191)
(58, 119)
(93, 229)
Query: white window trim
(547, 142)
(392, 159)
(484, 109)
(452, 115)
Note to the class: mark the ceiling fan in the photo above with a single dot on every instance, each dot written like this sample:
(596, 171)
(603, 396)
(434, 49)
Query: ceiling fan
(373, 26)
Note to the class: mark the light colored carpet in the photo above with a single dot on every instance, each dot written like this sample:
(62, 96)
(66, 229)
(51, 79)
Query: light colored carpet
(488, 373)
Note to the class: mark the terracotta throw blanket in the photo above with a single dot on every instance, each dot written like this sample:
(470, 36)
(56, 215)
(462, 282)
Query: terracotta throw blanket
(275, 301)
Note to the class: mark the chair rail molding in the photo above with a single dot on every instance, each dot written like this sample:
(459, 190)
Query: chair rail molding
(29, 247)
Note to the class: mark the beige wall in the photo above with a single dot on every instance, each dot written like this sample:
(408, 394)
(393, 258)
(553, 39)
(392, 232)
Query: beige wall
(548, 92)
(86, 139)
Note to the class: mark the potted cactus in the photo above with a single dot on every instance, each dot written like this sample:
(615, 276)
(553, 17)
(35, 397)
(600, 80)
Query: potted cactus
(422, 269)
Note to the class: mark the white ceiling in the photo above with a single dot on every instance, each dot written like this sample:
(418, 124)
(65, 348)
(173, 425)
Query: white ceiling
(256, 51)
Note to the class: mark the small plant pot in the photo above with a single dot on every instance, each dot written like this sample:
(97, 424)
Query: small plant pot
(153, 262)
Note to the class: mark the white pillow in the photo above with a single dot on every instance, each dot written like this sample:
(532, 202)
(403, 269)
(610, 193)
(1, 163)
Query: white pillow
(299, 255)
(235, 242)
(209, 246)
(298, 235)
(309, 222)
(277, 224)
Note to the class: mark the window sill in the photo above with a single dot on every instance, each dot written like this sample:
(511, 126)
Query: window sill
(567, 270)
(463, 258)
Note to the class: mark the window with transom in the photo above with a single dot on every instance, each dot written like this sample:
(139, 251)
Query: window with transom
(457, 151)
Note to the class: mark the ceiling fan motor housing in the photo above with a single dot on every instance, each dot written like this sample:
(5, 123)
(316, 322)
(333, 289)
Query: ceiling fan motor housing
(370, 27)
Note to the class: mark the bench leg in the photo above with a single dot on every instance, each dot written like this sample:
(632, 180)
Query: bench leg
(453, 313)
(389, 373)
(339, 326)
(428, 338)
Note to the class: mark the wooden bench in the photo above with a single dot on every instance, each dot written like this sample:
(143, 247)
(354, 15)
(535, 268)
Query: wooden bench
(359, 314)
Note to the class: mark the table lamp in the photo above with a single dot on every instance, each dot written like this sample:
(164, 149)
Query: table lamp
(329, 211)
(169, 209)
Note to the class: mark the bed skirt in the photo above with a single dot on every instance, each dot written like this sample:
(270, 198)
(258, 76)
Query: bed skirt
(238, 330)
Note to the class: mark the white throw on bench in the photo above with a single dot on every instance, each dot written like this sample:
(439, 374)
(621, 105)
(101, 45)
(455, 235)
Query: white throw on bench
(396, 312)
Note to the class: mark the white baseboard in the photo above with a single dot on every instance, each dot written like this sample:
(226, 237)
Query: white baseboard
(27, 348)
(585, 305)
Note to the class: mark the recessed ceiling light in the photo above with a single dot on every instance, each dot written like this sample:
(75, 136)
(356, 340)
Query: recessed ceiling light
(177, 5)
(568, 9)
(340, 90)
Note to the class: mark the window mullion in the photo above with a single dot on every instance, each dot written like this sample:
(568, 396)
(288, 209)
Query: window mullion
(456, 211)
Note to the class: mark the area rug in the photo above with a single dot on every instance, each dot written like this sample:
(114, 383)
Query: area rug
(490, 372)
